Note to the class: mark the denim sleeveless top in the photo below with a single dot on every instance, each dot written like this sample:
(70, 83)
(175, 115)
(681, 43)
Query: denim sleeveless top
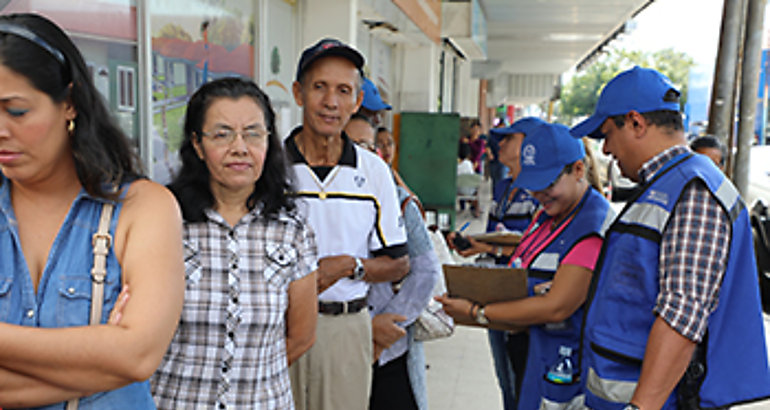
(63, 298)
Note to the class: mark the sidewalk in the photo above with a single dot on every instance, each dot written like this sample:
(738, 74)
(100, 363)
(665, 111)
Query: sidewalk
(460, 373)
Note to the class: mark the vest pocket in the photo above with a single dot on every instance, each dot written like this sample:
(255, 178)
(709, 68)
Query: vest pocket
(612, 375)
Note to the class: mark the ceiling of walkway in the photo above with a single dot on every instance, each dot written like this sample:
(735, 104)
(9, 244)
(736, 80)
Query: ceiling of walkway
(552, 36)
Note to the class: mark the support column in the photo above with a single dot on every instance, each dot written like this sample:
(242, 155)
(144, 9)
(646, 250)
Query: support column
(752, 57)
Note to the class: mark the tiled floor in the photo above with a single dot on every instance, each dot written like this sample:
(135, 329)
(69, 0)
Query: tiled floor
(460, 373)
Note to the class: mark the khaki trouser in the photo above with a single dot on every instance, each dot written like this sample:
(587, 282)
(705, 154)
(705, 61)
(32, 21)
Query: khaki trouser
(336, 373)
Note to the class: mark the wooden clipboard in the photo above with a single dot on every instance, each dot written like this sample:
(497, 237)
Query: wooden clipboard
(485, 285)
(499, 238)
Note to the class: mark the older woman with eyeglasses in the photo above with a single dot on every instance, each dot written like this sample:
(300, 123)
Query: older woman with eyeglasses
(250, 302)
(559, 250)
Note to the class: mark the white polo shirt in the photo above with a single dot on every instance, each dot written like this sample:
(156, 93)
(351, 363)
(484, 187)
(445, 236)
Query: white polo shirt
(352, 208)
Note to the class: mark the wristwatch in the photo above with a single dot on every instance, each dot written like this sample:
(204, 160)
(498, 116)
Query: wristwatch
(631, 406)
(481, 318)
(499, 252)
(358, 271)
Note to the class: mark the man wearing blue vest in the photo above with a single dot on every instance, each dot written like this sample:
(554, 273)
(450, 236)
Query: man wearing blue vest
(673, 317)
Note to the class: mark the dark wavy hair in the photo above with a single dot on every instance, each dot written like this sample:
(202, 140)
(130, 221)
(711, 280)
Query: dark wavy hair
(102, 153)
(192, 185)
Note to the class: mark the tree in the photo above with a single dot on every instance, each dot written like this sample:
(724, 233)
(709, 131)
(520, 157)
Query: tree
(580, 95)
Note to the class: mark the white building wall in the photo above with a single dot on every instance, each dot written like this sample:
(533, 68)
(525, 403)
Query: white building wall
(328, 18)
(417, 77)
(466, 91)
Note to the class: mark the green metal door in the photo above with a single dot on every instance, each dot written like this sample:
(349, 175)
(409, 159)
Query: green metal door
(428, 159)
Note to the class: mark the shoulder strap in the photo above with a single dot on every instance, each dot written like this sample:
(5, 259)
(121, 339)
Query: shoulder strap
(101, 242)
(416, 202)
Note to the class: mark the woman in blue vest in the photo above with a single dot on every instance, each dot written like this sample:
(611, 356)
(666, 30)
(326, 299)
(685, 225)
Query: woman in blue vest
(559, 250)
(61, 161)
(511, 210)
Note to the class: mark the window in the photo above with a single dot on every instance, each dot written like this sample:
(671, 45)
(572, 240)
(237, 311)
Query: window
(126, 86)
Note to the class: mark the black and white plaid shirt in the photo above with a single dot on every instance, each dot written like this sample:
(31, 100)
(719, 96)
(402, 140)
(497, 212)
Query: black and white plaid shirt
(693, 254)
(230, 348)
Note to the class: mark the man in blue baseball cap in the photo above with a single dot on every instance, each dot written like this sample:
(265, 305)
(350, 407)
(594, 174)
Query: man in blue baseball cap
(372, 106)
(675, 293)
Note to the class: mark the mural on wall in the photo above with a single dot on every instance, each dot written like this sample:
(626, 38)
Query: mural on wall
(193, 41)
(107, 40)
(278, 71)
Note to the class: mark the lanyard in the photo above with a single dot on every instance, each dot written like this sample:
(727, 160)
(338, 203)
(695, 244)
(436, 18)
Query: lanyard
(507, 201)
(535, 248)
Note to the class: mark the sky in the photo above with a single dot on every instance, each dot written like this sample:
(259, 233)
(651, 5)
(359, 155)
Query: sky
(690, 26)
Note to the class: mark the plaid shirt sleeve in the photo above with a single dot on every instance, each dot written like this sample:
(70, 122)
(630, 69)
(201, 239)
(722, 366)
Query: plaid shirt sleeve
(693, 259)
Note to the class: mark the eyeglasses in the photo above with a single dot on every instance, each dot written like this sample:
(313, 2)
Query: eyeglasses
(225, 136)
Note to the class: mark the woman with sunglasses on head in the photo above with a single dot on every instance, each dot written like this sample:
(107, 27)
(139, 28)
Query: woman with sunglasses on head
(250, 303)
(82, 234)
(558, 250)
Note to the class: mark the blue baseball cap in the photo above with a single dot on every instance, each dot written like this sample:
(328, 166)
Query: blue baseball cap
(328, 47)
(638, 89)
(372, 100)
(544, 154)
(524, 125)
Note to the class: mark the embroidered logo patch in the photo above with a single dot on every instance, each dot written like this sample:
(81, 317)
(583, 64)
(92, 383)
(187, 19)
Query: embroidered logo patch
(528, 155)
(359, 180)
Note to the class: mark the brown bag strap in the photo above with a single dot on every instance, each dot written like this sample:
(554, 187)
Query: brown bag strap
(101, 242)
(416, 201)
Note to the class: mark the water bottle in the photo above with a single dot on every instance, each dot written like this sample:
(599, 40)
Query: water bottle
(561, 371)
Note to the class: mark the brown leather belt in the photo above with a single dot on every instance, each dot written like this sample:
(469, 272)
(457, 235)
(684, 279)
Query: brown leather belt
(340, 308)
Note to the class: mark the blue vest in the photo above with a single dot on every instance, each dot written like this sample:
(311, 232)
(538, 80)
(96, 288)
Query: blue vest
(63, 297)
(510, 216)
(619, 313)
(593, 215)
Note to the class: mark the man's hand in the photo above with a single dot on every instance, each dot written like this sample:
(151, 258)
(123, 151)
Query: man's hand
(378, 349)
(475, 249)
(333, 268)
(385, 329)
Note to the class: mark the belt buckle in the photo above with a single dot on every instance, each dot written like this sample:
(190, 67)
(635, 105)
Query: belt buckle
(345, 308)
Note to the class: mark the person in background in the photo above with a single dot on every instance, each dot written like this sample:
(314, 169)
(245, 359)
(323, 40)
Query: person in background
(674, 319)
(399, 360)
(465, 167)
(497, 170)
(477, 145)
(712, 147)
(372, 106)
(250, 303)
(62, 159)
(360, 130)
(386, 147)
(559, 250)
(512, 210)
(350, 201)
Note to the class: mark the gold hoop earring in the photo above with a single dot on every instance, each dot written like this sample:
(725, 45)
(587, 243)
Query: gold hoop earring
(70, 127)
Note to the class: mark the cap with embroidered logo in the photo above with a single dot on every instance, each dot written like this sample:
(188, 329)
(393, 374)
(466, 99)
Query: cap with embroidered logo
(524, 125)
(372, 100)
(545, 152)
(638, 89)
(325, 48)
